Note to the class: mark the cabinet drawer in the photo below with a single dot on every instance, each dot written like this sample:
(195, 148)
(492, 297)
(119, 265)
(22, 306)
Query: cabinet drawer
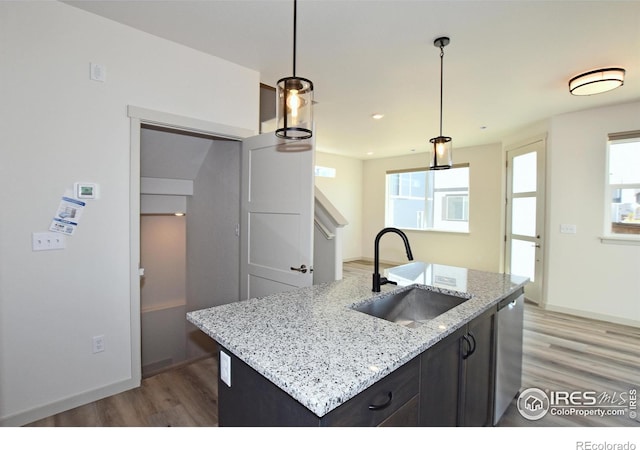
(375, 404)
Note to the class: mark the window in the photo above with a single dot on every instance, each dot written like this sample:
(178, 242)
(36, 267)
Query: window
(423, 199)
(456, 207)
(326, 172)
(623, 188)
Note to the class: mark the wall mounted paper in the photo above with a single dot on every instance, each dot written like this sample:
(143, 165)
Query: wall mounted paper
(68, 216)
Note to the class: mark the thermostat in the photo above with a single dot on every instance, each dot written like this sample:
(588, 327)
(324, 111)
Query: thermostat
(86, 190)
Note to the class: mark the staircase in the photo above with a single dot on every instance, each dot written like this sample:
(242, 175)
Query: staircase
(327, 240)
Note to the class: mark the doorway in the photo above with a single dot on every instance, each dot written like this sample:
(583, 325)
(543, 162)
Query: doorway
(210, 199)
(525, 215)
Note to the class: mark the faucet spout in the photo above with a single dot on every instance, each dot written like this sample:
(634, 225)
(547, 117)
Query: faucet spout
(377, 279)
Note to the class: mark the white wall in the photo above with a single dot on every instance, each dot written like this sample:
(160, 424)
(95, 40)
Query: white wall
(345, 192)
(56, 127)
(585, 276)
(479, 249)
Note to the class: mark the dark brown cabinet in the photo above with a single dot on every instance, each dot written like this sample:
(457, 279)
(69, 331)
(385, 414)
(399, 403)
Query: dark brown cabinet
(252, 400)
(456, 377)
(476, 382)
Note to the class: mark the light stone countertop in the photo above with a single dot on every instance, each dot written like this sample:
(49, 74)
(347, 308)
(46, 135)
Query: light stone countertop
(312, 345)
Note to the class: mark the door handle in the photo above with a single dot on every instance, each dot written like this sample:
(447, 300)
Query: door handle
(302, 269)
(470, 339)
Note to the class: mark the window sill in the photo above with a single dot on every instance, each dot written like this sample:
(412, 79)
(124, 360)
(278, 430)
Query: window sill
(620, 240)
(432, 230)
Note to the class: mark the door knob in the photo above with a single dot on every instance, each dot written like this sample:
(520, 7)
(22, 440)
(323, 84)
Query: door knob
(302, 269)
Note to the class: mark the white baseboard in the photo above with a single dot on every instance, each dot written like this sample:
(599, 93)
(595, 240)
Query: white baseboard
(66, 404)
(592, 315)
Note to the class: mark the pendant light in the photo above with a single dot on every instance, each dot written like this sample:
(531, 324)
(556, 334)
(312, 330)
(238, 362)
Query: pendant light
(295, 99)
(442, 157)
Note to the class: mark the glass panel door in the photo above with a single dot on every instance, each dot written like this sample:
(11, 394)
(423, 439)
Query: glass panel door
(525, 216)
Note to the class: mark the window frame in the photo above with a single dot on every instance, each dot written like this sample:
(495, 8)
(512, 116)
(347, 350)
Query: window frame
(451, 192)
(609, 236)
(445, 210)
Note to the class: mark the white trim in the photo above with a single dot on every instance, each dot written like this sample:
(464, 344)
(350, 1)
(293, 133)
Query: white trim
(539, 145)
(325, 231)
(175, 121)
(337, 220)
(619, 240)
(592, 315)
(134, 251)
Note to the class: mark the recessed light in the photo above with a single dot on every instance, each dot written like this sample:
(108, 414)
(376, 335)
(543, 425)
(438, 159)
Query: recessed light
(377, 116)
(369, 153)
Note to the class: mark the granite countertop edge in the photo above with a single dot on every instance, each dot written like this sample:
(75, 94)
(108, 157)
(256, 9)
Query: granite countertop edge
(311, 343)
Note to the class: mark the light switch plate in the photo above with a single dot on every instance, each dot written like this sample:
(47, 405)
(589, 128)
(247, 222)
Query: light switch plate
(567, 228)
(47, 241)
(225, 368)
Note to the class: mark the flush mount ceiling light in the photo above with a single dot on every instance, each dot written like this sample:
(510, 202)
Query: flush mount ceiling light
(295, 98)
(442, 157)
(597, 81)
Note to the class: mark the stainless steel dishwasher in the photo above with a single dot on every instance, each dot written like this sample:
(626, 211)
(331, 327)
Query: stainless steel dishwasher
(508, 354)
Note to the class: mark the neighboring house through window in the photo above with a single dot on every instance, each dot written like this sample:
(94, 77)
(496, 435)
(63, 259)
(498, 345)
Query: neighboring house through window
(422, 199)
(623, 185)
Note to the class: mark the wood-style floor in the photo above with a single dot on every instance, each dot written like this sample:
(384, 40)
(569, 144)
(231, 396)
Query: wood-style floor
(561, 353)
(186, 396)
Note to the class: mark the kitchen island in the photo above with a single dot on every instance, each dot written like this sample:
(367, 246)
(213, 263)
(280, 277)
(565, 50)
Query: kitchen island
(302, 356)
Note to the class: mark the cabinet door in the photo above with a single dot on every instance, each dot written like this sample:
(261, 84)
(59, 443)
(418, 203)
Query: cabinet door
(406, 416)
(476, 408)
(440, 369)
(379, 402)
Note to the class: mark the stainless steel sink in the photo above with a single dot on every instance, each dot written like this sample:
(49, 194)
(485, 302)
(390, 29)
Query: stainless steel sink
(411, 307)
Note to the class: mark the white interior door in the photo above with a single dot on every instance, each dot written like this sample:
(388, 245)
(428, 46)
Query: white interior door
(276, 215)
(525, 216)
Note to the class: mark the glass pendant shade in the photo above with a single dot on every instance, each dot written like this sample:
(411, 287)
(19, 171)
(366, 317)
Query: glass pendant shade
(294, 108)
(442, 153)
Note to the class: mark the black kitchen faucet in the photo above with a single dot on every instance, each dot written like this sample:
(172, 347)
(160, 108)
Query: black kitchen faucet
(377, 279)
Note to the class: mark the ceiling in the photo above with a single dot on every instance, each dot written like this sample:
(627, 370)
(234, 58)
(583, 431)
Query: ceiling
(507, 65)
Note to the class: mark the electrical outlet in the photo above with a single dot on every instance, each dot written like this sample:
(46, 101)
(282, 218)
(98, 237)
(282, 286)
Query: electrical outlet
(98, 72)
(98, 344)
(567, 228)
(47, 241)
(225, 368)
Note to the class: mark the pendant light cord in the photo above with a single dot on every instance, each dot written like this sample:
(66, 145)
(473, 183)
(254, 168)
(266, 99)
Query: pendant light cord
(295, 15)
(441, 82)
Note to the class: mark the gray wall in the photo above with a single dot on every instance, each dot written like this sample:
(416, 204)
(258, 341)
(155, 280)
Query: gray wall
(213, 249)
